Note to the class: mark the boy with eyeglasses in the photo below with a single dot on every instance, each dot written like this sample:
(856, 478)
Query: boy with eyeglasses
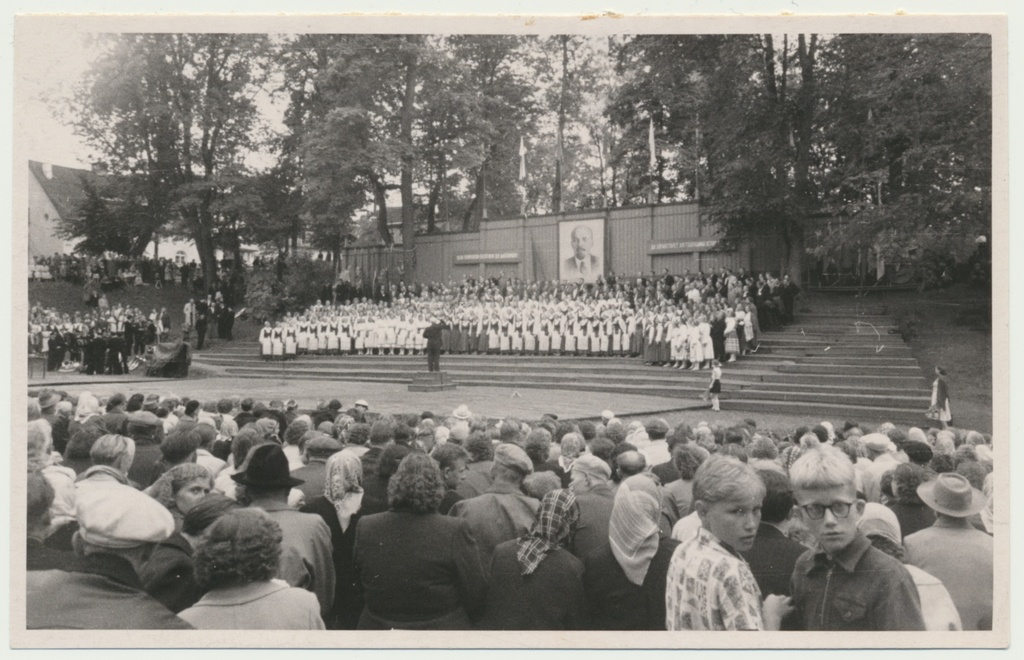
(845, 583)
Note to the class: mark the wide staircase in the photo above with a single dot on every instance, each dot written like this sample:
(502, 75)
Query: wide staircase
(825, 365)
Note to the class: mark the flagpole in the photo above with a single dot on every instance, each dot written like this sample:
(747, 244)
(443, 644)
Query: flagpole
(654, 161)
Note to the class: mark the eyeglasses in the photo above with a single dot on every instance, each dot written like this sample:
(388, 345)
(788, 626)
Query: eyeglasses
(817, 511)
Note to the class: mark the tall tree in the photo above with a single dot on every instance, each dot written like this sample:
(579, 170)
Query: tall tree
(911, 127)
(175, 109)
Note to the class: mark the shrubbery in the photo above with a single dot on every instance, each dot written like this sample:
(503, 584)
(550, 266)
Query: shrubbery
(269, 297)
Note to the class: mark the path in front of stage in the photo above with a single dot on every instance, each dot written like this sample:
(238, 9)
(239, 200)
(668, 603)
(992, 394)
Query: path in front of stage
(493, 402)
(383, 397)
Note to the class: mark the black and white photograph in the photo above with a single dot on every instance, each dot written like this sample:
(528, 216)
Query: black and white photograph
(423, 332)
(582, 251)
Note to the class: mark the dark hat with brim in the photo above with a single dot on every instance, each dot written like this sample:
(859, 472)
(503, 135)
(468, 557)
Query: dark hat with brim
(267, 467)
(952, 494)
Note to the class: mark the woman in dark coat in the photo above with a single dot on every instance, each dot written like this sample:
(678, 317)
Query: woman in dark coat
(417, 569)
(912, 513)
(168, 575)
(625, 578)
(340, 506)
(536, 583)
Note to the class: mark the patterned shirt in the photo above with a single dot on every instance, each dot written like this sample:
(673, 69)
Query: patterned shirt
(710, 588)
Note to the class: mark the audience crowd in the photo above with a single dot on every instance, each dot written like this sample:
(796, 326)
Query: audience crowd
(170, 512)
(115, 270)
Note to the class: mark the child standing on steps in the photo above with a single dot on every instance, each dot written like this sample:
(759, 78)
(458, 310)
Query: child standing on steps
(716, 384)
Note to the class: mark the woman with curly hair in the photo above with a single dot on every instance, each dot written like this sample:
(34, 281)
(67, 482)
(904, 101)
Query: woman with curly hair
(168, 573)
(678, 500)
(180, 488)
(340, 506)
(912, 513)
(418, 570)
(236, 565)
(536, 583)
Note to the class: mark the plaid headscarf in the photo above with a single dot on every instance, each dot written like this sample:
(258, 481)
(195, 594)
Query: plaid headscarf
(553, 527)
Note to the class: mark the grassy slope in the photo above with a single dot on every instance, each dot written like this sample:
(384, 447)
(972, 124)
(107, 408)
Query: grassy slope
(68, 297)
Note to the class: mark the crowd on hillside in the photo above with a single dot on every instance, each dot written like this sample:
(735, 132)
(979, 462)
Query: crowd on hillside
(115, 269)
(678, 321)
(171, 512)
(112, 340)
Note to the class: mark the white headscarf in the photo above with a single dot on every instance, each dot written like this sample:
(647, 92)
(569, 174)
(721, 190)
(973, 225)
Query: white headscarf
(343, 487)
(633, 528)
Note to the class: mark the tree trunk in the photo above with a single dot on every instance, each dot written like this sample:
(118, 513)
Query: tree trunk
(408, 216)
(381, 198)
(556, 189)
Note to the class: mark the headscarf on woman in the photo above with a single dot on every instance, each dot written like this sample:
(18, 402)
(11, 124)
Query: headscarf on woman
(633, 529)
(344, 485)
(87, 407)
(553, 528)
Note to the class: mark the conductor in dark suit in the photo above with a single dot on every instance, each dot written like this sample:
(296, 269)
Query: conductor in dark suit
(433, 336)
(582, 264)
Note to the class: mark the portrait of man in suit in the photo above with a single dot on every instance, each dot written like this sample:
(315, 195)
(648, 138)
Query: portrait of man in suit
(583, 251)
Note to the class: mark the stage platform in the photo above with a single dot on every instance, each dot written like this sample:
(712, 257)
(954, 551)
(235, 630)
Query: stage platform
(826, 366)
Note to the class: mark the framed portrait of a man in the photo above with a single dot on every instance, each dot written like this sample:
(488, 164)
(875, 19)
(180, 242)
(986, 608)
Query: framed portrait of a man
(581, 250)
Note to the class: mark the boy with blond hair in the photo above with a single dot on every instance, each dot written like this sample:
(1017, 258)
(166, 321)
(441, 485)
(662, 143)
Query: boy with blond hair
(845, 583)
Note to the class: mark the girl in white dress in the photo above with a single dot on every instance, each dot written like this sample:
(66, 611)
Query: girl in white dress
(696, 347)
(265, 339)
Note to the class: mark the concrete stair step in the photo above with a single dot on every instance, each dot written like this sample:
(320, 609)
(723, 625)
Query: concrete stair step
(851, 377)
(817, 411)
(866, 370)
(874, 399)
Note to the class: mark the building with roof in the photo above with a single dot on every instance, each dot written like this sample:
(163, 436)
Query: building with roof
(54, 192)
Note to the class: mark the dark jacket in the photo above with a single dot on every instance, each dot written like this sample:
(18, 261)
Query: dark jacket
(144, 470)
(554, 466)
(99, 592)
(314, 476)
(417, 571)
(433, 334)
(614, 602)
(772, 558)
(595, 512)
(550, 598)
(167, 576)
(348, 599)
(448, 501)
(862, 588)
(40, 557)
(913, 517)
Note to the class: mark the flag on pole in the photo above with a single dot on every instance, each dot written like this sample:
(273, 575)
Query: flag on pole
(651, 139)
(558, 147)
(522, 158)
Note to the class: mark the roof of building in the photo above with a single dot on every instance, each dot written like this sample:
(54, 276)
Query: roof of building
(62, 185)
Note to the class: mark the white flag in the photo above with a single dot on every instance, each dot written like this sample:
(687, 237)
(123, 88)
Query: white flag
(654, 161)
(522, 159)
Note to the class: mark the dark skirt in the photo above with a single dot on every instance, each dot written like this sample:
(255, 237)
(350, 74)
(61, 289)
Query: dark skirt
(716, 387)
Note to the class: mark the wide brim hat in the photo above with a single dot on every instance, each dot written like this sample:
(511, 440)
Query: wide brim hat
(363, 403)
(267, 468)
(48, 399)
(462, 412)
(952, 494)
